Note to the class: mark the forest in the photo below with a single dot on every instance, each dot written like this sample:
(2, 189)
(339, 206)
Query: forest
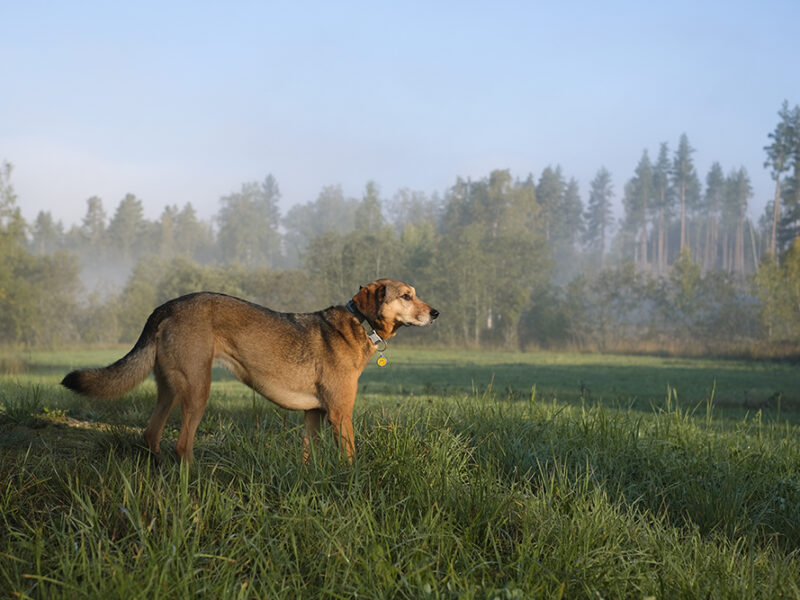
(510, 260)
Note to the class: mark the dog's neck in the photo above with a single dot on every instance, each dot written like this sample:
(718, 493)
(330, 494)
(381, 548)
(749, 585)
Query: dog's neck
(377, 340)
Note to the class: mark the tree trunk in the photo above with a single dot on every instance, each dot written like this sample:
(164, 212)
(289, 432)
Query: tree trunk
(775, 213)
(602, 247)
(661, 258)
(477, 322)
(755, 251)
(707, 266)
(644, 245)
(739, 252)
(683, 215)
(725, 250)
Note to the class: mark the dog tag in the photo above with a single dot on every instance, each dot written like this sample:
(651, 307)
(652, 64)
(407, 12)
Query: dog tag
(382, 362)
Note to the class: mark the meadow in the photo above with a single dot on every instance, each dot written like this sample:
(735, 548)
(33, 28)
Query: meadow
(477, 475)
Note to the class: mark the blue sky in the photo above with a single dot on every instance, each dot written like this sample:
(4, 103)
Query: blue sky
(184, 101)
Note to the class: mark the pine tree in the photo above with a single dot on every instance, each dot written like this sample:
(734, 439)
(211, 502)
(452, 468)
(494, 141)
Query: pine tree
(166, 231)
(549, 194)
(789, 224)
(249, 219)
(663, 204)
(193, 238)
(126, 227)
(369, 217)
(713, 201)
(684, 179)
(572, 213)
(598, 215)
(567, 235)
(93, 226)
(738, 192)
(638, 202)
(778, 159)
(47, 235)
(12, 225)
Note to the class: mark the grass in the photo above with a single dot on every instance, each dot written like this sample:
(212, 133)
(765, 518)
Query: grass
(469, 483)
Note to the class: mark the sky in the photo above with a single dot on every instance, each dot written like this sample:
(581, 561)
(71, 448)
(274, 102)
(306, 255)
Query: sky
(185, 101)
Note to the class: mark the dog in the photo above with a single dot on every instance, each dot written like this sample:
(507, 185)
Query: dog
(299, 361)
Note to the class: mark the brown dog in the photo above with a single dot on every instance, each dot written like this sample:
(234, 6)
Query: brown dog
(300, 361)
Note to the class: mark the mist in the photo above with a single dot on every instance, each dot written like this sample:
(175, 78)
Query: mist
(513, 260)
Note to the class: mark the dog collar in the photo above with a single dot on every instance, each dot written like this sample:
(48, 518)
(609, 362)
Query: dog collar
(371, 333)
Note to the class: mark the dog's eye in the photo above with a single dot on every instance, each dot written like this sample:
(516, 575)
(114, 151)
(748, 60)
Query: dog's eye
(406, 296)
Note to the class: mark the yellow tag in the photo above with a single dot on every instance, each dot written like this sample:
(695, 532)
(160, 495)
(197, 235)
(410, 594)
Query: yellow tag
(382, 361)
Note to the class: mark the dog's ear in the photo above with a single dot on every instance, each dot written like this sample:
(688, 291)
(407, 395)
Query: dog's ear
(368, 300)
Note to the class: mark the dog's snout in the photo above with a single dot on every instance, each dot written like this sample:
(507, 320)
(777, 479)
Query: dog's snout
(434, 313)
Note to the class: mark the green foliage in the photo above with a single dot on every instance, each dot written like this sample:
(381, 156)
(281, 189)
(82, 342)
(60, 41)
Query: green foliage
(622, 308)
(339, 264)
(491, 255)
(139, 297)
(413, 208)
(47, 236)
(50, 287)
(778, 287)
(418, 245)
(550, 321)
(614, 307)
(97, 320)
(37, 293)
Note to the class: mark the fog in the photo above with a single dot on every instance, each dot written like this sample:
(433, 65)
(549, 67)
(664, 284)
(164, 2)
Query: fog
(511, 260)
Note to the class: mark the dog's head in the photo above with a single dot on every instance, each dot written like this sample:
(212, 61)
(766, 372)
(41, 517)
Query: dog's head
(388, 304)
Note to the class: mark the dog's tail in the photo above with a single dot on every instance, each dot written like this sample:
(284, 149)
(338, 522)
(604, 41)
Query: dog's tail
(120, 377)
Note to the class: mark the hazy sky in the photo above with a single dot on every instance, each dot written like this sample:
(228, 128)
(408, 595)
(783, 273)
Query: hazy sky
(183, 102)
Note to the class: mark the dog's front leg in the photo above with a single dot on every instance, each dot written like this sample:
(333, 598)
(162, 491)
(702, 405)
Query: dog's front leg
(338, 400)
(341, 419)
(340, 415)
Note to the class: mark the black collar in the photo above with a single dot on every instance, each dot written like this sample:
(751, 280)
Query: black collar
(370, 331)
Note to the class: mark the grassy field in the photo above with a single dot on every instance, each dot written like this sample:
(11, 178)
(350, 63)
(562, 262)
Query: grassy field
(478, 475)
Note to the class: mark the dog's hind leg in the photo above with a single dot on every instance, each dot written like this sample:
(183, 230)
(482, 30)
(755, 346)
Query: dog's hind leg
(193, 405)
(313, 420)
(167, 398)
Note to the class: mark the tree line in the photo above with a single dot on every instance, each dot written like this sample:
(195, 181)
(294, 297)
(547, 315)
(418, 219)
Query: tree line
(510, 261)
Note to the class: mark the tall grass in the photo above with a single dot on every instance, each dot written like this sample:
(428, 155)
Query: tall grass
(472, 495)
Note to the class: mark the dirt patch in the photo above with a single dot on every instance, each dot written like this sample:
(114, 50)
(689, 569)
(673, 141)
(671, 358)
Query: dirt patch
(60, 435)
